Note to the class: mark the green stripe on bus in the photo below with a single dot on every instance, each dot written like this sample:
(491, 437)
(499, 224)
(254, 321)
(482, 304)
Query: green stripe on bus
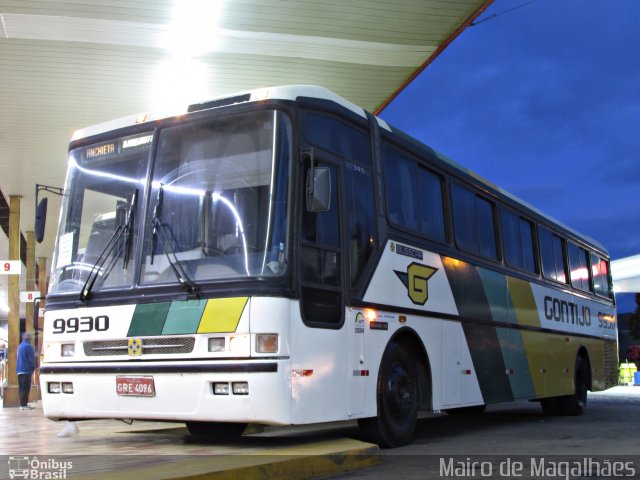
(148, 319)
(495, 288)
(510, 340)
(472, 303)
(184, 317)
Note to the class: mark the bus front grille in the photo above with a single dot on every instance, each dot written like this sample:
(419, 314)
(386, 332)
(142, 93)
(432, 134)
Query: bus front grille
(163, 345)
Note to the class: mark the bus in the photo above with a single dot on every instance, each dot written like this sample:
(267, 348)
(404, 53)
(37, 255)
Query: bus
(284, 257)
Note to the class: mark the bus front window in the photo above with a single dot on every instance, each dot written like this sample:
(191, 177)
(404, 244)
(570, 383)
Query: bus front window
(103, 183)
(218, 199)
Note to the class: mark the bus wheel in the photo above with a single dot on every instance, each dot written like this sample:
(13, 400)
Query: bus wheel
(215, 430)
(576, 404)
(397, 398)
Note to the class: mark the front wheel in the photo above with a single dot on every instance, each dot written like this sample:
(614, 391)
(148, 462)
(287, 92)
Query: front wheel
(397, 398)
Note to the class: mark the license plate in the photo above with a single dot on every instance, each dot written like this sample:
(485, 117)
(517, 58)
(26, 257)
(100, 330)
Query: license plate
(135, 386)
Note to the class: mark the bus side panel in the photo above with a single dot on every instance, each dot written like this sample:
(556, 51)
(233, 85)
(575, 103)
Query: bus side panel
(319, 365)
(522, 337)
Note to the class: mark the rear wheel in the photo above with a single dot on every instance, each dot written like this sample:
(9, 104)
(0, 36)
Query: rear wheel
(397, 399)
(215, 430)
(576, 404)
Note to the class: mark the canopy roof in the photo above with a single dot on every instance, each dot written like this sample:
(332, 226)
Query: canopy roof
(66, 64)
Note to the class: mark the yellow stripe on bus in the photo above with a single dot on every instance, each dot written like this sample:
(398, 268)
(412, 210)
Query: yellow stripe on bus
(222, 315)
(534, 343)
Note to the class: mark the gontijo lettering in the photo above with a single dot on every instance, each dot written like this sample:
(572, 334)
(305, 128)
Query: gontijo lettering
(566, 312)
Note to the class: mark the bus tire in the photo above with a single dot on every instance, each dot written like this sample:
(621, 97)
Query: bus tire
(397, 399)
(213, 431)
(576, 404)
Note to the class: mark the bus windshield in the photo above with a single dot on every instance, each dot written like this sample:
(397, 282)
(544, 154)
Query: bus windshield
(216, 205)
(103, 182)
(218, 199)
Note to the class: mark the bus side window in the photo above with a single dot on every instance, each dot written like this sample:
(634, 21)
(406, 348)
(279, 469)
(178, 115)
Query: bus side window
(431, 205)
(600, 272)
(474, 223)
(579, 267)
(552, 254)
(414, 195)
(400, 189)
(362, 227)
(517, 236)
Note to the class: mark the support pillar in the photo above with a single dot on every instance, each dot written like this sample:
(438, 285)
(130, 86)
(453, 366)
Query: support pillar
(11, 398)
(30, 286)
(42, 286)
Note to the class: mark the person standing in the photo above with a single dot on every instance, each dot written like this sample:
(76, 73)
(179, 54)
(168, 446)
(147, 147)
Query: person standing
(25, 365)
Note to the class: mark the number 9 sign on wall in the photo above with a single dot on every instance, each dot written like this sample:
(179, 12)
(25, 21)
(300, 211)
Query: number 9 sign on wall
(10, 267)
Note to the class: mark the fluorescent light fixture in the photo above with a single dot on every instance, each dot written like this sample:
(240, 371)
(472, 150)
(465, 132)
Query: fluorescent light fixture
(178, 82)
(194, 28)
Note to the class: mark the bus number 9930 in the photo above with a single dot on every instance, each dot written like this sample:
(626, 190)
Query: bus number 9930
(81, 324)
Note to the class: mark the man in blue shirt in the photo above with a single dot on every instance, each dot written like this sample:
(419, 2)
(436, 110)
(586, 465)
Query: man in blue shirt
(25, 365)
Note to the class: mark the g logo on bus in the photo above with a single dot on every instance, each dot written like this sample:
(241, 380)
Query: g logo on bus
(416, 280)
(134, 347)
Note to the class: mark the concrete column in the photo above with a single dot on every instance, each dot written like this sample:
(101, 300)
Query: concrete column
(43, 274)
(11, 398)
(30, 286)
(42, 286)
(30, 281)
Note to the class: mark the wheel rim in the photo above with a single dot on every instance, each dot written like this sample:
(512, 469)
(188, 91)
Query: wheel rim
(400, 392)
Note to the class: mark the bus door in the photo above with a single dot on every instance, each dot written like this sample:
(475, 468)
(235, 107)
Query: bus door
(321, 297)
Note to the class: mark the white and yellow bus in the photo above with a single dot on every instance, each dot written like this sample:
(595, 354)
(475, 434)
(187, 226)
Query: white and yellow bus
(283, 257)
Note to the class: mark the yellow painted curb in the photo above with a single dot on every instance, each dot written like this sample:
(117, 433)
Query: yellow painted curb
(297, 462)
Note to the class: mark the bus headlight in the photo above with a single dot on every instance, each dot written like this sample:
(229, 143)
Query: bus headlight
(67, 387)
(53, 387)
(239, 344)
(68, 349)
(216, 344)
(221, 388)
(267, 343)
(240, 388)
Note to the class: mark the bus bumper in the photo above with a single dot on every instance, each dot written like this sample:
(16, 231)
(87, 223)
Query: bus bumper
(257, 391)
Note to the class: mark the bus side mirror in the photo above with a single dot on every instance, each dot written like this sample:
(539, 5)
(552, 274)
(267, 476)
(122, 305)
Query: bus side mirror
(41, 220)
(318, 189)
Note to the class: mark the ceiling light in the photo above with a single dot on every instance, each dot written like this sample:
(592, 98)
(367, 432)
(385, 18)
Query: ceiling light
(194, 28)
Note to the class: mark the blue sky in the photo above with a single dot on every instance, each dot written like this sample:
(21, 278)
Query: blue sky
(544, 100)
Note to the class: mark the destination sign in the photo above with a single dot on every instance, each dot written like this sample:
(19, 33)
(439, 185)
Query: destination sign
(117, 147)
(100, 150)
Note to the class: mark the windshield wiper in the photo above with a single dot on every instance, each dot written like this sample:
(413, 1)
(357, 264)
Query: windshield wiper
(120, 232)
(106, 251)
(129, 229)
(160, 231)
